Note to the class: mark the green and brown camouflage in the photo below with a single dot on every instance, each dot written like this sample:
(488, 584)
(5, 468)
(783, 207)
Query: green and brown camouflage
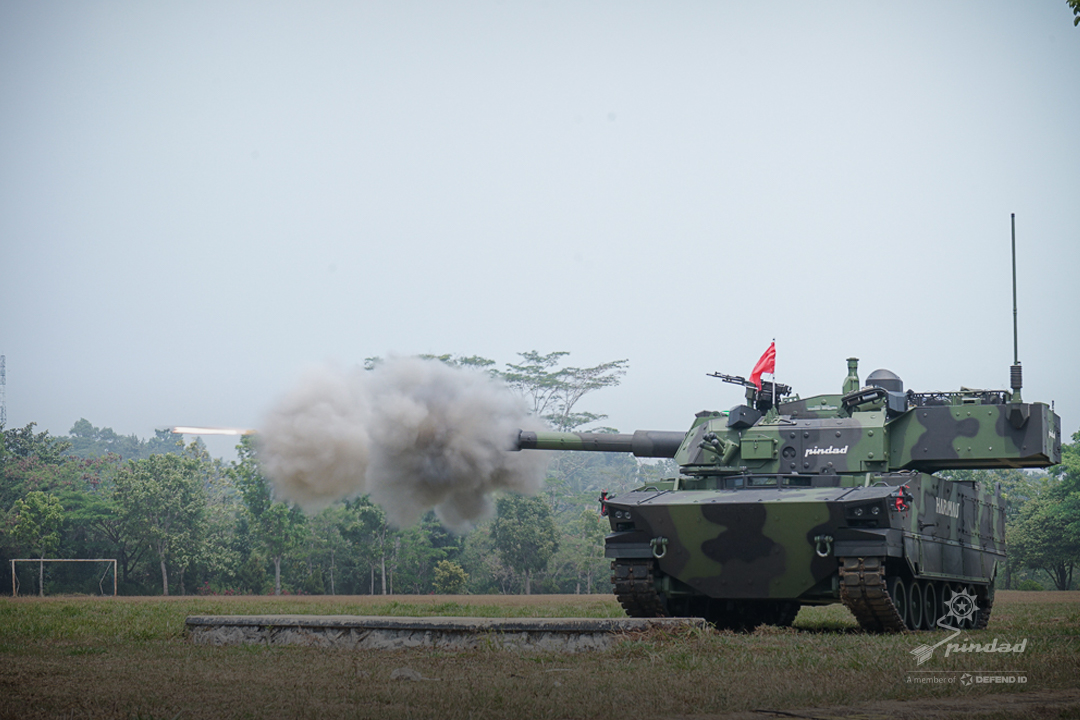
(786, 502)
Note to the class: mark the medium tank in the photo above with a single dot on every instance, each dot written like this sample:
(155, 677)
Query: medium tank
(786, 501)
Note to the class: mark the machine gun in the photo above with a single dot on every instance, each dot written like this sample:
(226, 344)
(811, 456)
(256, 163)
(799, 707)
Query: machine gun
(770, 394)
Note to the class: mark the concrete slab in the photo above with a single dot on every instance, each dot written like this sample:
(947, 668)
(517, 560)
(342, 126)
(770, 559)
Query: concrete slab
(392, 633)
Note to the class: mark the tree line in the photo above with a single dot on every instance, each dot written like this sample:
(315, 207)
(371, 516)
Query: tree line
(178, 521)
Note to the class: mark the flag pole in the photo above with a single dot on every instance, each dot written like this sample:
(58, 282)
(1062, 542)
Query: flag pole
(774, 375)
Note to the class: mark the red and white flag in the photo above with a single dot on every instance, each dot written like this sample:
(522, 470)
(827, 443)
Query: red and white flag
(767, 364)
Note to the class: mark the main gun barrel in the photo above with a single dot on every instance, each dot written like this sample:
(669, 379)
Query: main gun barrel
(642, 443)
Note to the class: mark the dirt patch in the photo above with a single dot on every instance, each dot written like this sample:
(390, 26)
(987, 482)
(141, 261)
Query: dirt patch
(1037, 705)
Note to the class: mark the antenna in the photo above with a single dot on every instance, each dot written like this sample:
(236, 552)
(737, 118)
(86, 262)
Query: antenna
(3, 397)
(1016, 375)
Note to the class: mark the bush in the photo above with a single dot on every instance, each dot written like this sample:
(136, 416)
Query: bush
(1029, 585)
(450, 578)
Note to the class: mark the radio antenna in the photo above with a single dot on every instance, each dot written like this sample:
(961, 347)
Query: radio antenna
(1016, 375)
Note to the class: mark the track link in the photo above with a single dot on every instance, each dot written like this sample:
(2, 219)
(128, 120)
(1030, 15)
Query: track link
(635, 588)
(864, 592)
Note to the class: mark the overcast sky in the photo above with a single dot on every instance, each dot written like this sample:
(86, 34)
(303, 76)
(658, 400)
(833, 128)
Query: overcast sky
(199, 201)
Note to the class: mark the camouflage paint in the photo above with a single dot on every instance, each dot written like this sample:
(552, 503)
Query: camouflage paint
(771, 500)
(974, 436)
(763, 543)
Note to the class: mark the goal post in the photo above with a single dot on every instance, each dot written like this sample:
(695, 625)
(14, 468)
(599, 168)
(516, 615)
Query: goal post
(42, 561)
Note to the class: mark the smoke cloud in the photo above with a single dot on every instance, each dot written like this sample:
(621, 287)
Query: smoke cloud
(413, 434)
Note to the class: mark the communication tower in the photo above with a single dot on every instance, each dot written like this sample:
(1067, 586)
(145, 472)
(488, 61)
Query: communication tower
(3, 399)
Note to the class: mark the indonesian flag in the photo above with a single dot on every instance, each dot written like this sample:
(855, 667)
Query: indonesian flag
(767, 364)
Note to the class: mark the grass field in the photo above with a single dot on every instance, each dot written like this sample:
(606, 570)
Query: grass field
(128, 658)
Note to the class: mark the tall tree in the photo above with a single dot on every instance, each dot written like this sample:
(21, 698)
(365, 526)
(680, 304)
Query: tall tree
(25, 443)
(38, 518)
(418, 554)
(276, 526)
(368, 531)
(325, 543)
(162, 501)
(1045, 538)
(554, 392)
(280, 528)
(524, 534)
(1046, 535)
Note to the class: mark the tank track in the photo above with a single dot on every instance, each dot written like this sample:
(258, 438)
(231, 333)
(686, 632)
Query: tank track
(864, 592)
(634, 583)
(635, 588)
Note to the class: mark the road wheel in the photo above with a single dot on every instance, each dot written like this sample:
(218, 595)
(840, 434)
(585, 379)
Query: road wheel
(898, 593)
(915, 606)
(931, 605)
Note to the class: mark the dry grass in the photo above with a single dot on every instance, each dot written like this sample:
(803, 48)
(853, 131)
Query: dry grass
(127, 658)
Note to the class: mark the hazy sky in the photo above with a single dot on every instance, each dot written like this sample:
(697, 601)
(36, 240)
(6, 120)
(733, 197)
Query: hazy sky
(199, 201)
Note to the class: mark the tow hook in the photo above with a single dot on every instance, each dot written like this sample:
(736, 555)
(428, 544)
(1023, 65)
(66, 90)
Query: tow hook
(659, 547)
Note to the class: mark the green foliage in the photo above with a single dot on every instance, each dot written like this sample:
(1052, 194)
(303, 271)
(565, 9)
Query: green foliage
(175, 518)
(580, 559)
(416, 552)
(276, 527)
(450, 578)
(38, 517)
(253, 488)
(366, 529)
(36, 527)
(474, 362)
(554, 391)
(161, 502)
(23, 443)
(1068, 472)
(1046, 538)
(279, 528)
(1075, 5)
(524, 534)
(87, 441)
(324, 546)
(1046, 534)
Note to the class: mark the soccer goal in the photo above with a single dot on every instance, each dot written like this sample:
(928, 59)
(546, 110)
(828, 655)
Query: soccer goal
(41, 563)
